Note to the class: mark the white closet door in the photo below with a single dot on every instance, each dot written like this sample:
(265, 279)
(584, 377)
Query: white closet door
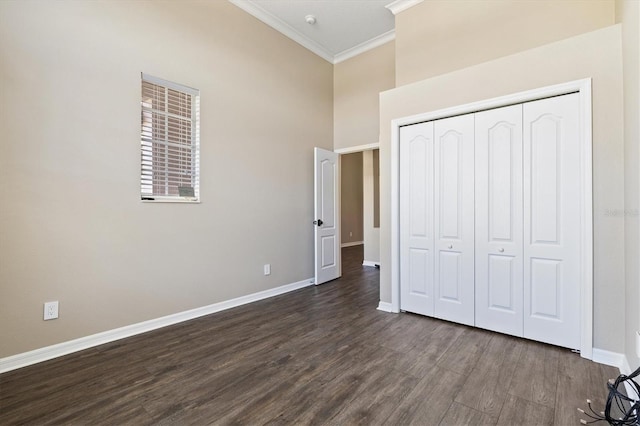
(416, 218)
(453, 200)
(498, 250)
(552, 221)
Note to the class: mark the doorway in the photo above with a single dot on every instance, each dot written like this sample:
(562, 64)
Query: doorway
(360, 206)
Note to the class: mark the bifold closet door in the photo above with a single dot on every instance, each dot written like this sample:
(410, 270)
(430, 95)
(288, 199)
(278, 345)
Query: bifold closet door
(490, 219)
(454, 219)
(552, 220)
(416, 218)
(499, 216)
(436, 219)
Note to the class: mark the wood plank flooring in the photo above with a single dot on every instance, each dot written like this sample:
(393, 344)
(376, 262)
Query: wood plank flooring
(320, 355)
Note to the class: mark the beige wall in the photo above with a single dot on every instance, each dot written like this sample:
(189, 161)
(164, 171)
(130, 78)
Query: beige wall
(597, 55)
(439, 36)
(72, 227)
(351, 207)
(357, 84)
(371, 232)
(628, 12)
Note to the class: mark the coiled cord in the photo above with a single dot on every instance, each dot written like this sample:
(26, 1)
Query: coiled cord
(617, 400)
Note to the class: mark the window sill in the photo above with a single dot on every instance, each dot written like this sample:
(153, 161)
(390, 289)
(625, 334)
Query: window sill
(172, 200)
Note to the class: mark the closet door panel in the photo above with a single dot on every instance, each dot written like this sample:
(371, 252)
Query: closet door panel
(416, 219)
(552, 221)
(502, 290)
(450, 275)
(499, 216)
(450, 179)
(453, 221)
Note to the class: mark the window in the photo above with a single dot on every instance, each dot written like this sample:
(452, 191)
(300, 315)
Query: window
(169, 141)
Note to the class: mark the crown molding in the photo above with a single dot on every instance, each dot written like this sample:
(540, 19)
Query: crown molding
(283, 28)
(309, 44)
(363, 47)
(400, 5)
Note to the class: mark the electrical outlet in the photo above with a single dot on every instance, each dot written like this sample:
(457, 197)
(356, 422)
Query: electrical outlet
(50, 310)
(351, 234)
(267, 269)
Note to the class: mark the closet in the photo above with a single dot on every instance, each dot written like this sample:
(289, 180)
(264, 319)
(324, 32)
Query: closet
(490, 219)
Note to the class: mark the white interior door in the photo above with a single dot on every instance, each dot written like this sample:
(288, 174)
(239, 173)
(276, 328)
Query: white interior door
(326, 223)
(454, 219)
(416, 218)
(499, 227)
(552, 211)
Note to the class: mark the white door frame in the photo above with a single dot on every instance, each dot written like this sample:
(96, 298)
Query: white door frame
(583, 87)
(351, 150)
(359, 148)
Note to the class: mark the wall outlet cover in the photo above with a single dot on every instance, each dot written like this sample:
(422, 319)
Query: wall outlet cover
(50, 310)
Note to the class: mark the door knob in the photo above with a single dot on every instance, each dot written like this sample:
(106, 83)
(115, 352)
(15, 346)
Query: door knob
(318, 222)
(501, 250)
(450, 246)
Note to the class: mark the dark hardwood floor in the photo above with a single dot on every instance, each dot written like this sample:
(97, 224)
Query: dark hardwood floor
(320, 355)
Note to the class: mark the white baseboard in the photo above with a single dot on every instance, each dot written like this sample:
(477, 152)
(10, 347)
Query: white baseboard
(351, 244)
(370, 263)
(49, 352)
(618, 360)
(613, 359)
(625, 368)
(385, 307)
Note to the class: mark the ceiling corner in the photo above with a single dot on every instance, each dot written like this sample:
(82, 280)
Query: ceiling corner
(368, 45)
(283, 28)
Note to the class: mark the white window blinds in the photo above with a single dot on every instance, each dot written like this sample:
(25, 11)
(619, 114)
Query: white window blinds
(169, 141)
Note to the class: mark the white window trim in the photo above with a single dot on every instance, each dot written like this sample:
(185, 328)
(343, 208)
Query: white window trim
(195, 93)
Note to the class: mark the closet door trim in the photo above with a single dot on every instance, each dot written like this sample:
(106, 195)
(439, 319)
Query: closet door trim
(583, 87)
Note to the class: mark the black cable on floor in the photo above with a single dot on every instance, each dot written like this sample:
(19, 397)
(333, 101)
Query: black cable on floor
(617, 400)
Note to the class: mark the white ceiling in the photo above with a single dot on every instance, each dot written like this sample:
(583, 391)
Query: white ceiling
(343, 28)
